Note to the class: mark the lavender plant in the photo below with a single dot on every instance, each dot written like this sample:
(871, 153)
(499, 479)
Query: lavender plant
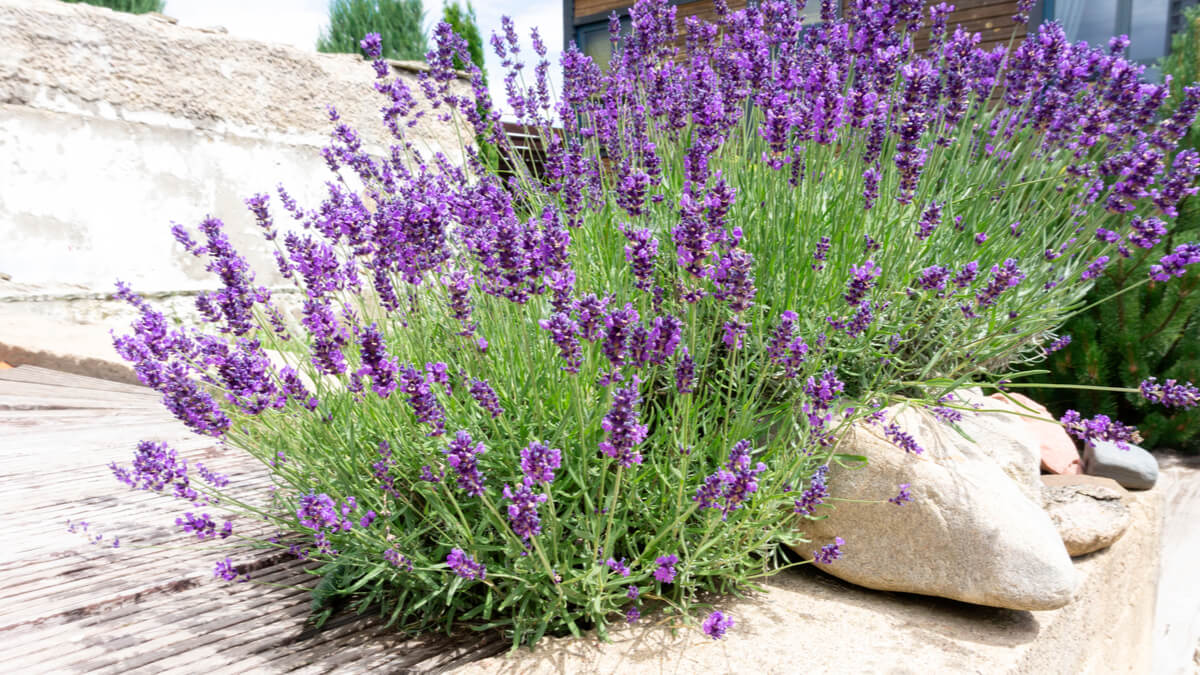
(535, 401)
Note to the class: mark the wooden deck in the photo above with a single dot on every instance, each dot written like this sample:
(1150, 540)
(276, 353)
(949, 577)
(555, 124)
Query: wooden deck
(152, 605)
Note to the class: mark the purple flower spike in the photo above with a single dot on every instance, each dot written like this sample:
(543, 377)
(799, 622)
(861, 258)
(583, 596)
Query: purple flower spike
(1171, 394)
(621, 424)
(522, 511)
(665, 572)
(486, 397)
(372, 44)
(902, 497)
(539, 461)
(862, 279)
(829, 552)
(462, 456)
(464, 565)
(716, 625)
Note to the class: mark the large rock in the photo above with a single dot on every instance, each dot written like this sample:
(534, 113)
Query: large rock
(1057, 450)
(970, 533)
(1133, 468)
(1004, 438)
(1088, 516)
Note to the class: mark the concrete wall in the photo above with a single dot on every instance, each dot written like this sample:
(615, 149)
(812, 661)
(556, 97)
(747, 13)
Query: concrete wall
(112, 126)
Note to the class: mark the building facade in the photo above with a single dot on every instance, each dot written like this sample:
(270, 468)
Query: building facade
(1148, 23)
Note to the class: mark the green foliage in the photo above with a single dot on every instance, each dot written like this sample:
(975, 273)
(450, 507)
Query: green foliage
(462, 20)
(399, 23)
(130, 6)
(1152, 330)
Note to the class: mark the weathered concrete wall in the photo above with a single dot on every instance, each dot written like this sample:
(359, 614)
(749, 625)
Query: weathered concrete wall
(112, 126)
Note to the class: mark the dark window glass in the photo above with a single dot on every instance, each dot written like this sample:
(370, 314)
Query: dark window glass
(593, 40)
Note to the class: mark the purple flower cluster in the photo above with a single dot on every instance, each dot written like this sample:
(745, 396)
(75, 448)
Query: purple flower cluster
(1171, 393)
(156, 467)
(522, 510)
(902, 497)
(486, 397)
(784, 348)
(665, 570)
(421, 399)
(464, 565)
(621, 424)
(1099, 428)
(462, 456)
(728, 489)
(829, 552)
(226, 570)
(814, 495)
(398, 560)
(539, 462)
(1175, 264)
(716, 625)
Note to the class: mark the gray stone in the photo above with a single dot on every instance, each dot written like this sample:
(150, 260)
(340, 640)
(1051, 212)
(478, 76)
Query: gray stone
(1089, 517)
(969, 534)
(1134, 468)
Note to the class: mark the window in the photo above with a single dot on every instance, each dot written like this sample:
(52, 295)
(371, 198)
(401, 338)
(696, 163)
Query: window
(1098, 20)
(592, 39)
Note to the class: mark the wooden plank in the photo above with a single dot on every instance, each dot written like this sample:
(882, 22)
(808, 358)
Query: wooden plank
(36, 374)
(153, 605)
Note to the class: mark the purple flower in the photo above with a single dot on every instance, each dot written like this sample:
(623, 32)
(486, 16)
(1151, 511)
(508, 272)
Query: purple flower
(203, 526)
(716, 625)
(820, 254)
(1175, 263)
(929, 221)
(1058, 344)
(619, 567)
(622, 426)
(522, 510)
(1147, 232)
(815, 494)
(462, 456)
(640, 252)
(734, 331)
(372, 44)
(539, 461)
(1099, 428)
(733, 276)
(375, 362)
(902, 497)
(367, 519)
(565, 334)
(1003, 278)
(966, 276)
(1095, 268)
(734, 484)
(486, 397)
(226, 570)
(783, 348)
(422, 400)
(632, 615)
(829, 552)
(1171, 394)
(902, 439)
(397, 560)
(618, 330)
(933, 278)
(685, 373)
(464, 565)
(665, 572)
(862, 279)
(632, 592)
(981, 237)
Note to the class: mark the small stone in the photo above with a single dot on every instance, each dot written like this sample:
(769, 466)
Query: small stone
(1058, 452)
(1054, 480)
(1089, 516)
(1134, 468)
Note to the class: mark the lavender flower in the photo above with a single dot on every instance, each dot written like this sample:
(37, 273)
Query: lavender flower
(1099, 428)
(632, 615)
(665, 572)
(902, 497)
(464, 565)
(462, 456)
(522, 510)
(902, 439)
(565, 334)
(1171, 394)
(1175, 263)
(539, 461)
(226, 570)
(815, 494)
(716, 625)
(622, 426)
(685, 373)
(820, 254)
(397, 560)
(1147, 232)
(619, 567)
(829, 552)
(1058, 344)
(486, 397)
(422, 400)
(862, 279)
(1094, 268)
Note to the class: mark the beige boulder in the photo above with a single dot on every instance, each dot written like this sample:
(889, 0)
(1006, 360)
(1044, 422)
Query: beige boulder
(1089, 516)
(970, 533)
(1005, 438)
(1058, 452)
